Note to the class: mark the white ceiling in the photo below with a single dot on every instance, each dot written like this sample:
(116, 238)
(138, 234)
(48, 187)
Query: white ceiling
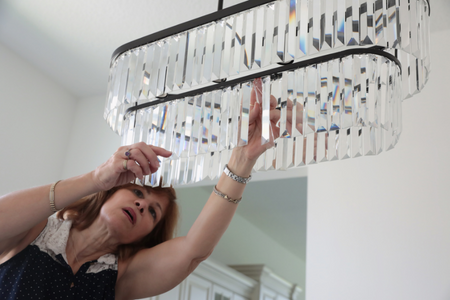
(72, 42)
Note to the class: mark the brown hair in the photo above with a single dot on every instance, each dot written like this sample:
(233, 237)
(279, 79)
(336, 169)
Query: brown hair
(84, 211)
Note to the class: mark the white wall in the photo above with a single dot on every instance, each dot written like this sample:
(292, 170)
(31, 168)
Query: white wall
(35, 116)
(92, 142)
(379, 227)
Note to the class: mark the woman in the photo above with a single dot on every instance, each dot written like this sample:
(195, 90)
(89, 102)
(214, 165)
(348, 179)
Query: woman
(115, 241)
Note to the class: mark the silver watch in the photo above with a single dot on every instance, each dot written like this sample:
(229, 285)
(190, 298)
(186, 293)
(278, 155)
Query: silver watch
(233, 176)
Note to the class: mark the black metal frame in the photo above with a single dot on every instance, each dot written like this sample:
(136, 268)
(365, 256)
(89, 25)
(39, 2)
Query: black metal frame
(220, 14)
(220, 5)
(188, 25)
(377, 50)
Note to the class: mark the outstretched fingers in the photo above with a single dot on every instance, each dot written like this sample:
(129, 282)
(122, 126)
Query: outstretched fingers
(147, 156)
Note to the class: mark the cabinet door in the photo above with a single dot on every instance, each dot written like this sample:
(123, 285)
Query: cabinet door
(238, 297)
(197, 288)
(267, 294)
(220, 293)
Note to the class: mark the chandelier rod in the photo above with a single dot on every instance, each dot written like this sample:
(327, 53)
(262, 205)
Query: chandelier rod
(220, 7)
(377, 50)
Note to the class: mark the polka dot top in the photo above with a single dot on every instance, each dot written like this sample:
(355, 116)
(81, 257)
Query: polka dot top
(41, 271)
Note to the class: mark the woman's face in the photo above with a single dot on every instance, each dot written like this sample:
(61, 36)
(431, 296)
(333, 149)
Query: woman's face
(132, 212)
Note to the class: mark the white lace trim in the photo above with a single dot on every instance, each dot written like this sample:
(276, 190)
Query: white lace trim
(53, 240)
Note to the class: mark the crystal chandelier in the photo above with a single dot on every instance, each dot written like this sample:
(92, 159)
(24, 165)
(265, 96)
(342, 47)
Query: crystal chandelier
(339, 70)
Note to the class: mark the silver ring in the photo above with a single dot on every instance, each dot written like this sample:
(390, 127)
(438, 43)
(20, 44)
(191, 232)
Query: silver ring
(124, 164)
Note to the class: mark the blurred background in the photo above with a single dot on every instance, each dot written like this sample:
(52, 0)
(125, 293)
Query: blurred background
(369, 228)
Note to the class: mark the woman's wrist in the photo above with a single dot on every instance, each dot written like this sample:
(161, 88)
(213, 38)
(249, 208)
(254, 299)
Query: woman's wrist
(239, 164)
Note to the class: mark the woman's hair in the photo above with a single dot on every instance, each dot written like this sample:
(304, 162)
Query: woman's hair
(84, 211)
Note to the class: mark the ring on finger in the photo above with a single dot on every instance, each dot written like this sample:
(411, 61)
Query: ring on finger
(128, 153)
(124, 164)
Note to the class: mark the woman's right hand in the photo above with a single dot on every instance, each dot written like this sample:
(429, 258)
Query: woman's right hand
(120, 169)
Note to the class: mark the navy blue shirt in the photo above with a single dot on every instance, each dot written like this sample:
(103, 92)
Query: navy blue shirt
(41, 271)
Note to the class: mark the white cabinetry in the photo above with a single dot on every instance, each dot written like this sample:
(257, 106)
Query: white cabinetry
(211, 281)
(270, 285)
(214, 281)
(228, 284)
(197, 288)
(221, 294)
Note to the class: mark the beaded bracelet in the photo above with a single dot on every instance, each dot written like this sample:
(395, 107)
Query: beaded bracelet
(226, 197)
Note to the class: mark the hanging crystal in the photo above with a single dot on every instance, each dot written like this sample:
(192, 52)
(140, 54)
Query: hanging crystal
(217, 49)
(132, 66)
(352, 22)
(215, 120)
(244, 112)
(248, 42)
(190, 57)
(209, 53)
(199, 60)
(292, 30)
(258, 44)
(149, 60)
(206, 123)
(172, 61)
(138, 78)
(239, 39)
(156, 69)
(180, 71)
(303, 24)
(228, 47)
(339, 23)
(269, 32)
(123, 80)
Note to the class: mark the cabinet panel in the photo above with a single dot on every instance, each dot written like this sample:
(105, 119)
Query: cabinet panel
(220, 293)
(267, 294)
(238, 297)
(197, 288)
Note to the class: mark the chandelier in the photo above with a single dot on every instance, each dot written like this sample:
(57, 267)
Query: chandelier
(339, 70)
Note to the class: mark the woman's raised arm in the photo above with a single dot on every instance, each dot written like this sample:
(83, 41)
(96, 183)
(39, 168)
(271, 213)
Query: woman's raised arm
(21, 211)
(156, 270)
(24, 210)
